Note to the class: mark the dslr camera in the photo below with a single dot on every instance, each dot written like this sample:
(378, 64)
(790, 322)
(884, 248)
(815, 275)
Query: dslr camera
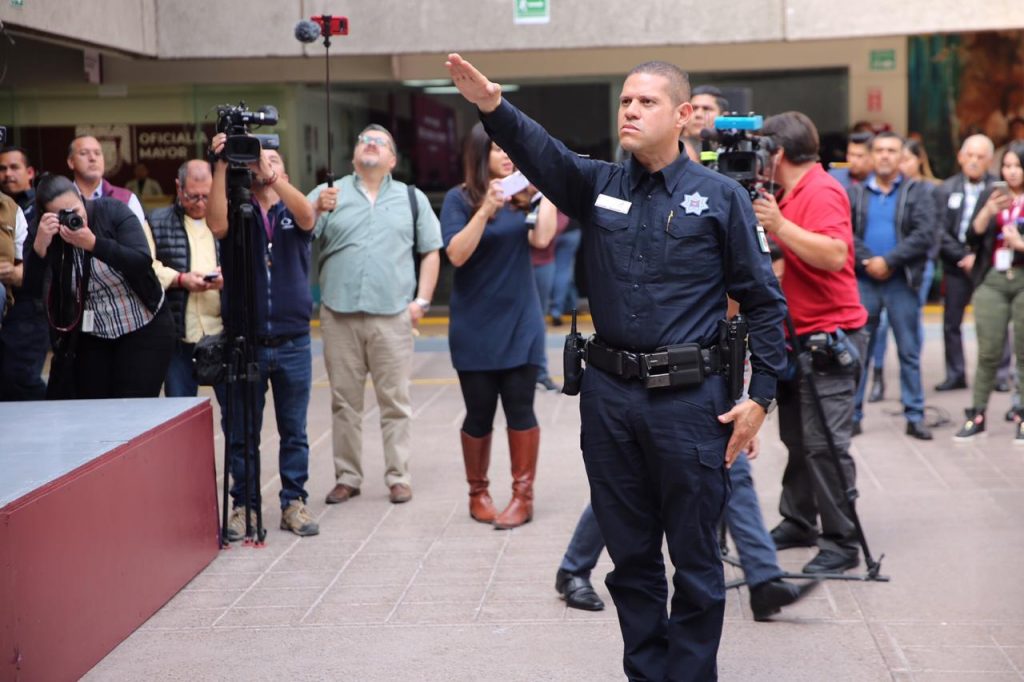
(70, 219)
(242, 147)
(736, 150)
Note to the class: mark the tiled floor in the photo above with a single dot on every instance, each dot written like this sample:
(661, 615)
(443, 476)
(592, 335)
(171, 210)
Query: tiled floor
(421, 592)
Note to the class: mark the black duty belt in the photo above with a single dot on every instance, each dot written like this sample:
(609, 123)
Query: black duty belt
(685, 364)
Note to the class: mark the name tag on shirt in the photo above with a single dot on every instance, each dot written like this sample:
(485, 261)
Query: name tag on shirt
(612, 204)
(955, 200)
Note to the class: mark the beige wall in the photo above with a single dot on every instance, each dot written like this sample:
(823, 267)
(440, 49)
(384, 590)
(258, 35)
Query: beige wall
(182, 29)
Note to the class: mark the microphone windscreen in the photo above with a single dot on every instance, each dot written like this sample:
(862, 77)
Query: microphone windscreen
(708, 135)
(307, 31)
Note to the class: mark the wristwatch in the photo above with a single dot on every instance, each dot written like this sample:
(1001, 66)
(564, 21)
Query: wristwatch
(423, 303)
(768, 405)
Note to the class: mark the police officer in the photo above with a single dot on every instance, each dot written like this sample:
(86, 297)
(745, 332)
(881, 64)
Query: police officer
(664, 241)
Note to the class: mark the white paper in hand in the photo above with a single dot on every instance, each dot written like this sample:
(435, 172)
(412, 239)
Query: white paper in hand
(514, 184)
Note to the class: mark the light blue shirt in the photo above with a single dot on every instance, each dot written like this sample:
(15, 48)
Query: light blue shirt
(365, 249)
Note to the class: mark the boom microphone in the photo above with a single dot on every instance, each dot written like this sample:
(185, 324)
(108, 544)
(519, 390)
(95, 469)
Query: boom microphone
(307, 31)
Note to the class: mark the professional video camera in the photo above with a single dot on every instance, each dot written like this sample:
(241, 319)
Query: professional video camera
(735, 150)
(242, 147)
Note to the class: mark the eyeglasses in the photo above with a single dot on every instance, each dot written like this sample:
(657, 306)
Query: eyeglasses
(378, 140)
(195, 198)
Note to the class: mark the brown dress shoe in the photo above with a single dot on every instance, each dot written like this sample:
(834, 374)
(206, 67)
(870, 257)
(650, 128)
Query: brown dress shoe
(341, 493)
(400, 493)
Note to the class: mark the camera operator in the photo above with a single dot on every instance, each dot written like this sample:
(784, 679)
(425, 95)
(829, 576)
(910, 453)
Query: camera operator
(665, 240)
(283, 307)
(811, 225)
(114, 336)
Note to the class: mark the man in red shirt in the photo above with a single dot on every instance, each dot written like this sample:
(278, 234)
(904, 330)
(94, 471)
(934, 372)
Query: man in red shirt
(811, 225)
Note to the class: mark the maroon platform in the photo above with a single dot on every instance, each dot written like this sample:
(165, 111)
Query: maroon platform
(107, 509)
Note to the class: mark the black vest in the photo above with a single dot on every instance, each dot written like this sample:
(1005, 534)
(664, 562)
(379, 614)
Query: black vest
(168, 226)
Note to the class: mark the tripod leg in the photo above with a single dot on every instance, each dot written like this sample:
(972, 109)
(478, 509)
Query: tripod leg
(833, 451)
(228, 416)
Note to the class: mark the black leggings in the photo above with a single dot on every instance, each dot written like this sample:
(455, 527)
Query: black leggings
(480, 391)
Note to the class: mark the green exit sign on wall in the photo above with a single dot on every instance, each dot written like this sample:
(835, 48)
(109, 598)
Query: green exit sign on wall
(532, 11)
(883, 60)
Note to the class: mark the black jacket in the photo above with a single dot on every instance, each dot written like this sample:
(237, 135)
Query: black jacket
(120, 243)
(915, 233)
(982, 245)
(951, 249)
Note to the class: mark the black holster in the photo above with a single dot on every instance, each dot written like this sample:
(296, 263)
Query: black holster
(732, 343)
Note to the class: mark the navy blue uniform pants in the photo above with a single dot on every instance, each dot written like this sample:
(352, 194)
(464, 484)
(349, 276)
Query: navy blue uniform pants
(655, 460)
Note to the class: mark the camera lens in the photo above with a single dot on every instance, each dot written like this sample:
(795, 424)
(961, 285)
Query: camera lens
(70, 219)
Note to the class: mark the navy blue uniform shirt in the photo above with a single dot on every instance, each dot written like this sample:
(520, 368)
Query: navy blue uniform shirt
(280, 262)
(662, 250)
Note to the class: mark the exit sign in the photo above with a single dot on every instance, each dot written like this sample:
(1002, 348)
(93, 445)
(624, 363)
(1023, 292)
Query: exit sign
(883, 60)
(531, 11)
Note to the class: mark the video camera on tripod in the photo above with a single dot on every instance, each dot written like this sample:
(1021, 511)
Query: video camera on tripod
(736, 150)
(242, 147)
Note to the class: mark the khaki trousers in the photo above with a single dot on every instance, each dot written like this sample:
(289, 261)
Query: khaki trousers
(357, 344)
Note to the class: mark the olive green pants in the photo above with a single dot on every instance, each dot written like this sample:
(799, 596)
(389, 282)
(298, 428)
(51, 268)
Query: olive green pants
(997, 301)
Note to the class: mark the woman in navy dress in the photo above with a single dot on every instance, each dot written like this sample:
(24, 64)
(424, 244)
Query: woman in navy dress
(496, 332)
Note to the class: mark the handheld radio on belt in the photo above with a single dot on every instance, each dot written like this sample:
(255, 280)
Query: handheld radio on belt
(732, 341)
(572, 359)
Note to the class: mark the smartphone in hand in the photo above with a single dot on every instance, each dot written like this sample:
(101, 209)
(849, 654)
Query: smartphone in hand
(211, 277)
(514, 184)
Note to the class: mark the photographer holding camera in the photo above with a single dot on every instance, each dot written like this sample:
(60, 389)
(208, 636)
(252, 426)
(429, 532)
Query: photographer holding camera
(114, 336)
(811, 225)
(280, 262)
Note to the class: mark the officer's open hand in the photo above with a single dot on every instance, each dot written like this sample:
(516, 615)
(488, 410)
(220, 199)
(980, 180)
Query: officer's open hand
(746, 419)
(473, 85)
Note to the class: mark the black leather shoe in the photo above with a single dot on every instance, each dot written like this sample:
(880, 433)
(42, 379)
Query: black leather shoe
(785, 535)
(577, 592)
(918, 430)
(952, 384)
(768, 598)
(857, 430)
(831, 561)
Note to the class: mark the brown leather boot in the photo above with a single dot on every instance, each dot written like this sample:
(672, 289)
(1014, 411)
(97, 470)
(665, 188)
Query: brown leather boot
(476, 453)
(522, 446)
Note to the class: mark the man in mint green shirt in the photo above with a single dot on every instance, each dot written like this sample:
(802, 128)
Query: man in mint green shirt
(365, 233)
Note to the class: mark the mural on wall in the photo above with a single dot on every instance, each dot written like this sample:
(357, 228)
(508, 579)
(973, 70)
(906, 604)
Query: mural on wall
(962, 84)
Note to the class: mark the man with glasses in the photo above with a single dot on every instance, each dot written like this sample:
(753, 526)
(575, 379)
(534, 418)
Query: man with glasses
(185, 260)
(367, 225)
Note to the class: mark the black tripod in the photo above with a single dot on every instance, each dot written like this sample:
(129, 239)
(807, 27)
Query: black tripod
(849, 493)
(241, 360)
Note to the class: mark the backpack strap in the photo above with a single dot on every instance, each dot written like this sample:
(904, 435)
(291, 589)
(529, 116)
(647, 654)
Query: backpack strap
(415, 207)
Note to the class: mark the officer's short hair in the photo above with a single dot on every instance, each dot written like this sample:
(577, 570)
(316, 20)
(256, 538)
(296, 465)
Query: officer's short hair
(678, 81)
(720, 101)
(795, 133)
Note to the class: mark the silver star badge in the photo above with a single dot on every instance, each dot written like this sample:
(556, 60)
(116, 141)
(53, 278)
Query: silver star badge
(694, 204)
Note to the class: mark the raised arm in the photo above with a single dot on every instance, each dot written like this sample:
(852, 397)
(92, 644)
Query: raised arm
(562, 176)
